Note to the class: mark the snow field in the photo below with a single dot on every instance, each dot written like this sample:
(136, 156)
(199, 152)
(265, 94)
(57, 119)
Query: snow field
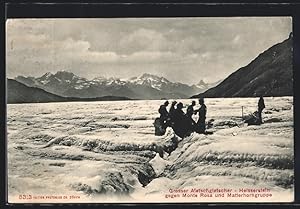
(107, 151)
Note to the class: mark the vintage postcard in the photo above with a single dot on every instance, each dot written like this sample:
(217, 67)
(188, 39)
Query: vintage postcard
(150, 110)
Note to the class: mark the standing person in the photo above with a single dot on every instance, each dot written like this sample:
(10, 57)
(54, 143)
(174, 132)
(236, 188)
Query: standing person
(189, 113)
(172, 112)
(163, 114)
(261, 106)
(200, 126)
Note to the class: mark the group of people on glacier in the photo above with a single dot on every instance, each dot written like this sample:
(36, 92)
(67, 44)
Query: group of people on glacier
(183, 123)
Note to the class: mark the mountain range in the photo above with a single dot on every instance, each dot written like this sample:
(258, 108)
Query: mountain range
(269, 74)
(146, 86)
(20, 93)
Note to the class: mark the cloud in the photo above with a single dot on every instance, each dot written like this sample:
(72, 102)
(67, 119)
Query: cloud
(143, 40)
(182, 49)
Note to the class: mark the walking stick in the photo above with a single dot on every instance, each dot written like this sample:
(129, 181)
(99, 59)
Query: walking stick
(242, 112)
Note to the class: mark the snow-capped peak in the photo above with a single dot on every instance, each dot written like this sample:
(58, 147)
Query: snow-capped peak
(201, 82)
(109, 81)
(46, 75)
(153, 81)
(61, 77)
(65, 75)
(150, 78)
(100, 78)
(147, 76)
(203, 85)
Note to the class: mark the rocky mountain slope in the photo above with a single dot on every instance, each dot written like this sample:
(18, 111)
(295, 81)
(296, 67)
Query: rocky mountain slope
(269, 74)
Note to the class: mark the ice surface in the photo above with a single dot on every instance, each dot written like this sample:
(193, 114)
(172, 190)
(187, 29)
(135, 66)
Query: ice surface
(107, 151)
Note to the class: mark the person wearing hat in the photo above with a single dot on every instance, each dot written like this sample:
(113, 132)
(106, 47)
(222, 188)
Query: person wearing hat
(163, 114)
(200, 125)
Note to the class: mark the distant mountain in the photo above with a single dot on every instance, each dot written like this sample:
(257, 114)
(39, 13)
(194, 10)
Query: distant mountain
(203, 86)
(20, 93)
(160, 85)
(269, 74)
(146, 86)
(54, 83)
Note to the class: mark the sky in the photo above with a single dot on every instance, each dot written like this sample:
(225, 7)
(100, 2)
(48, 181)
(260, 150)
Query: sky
(183, 50)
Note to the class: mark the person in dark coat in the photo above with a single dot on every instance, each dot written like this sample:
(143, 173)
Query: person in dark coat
(189, 113)
(200, 125)
(261, 106)
(178, 113)
(180, 127)
(164, 114)
(172, 113)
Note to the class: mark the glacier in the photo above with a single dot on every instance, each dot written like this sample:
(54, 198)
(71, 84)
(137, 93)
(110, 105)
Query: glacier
(107, 152)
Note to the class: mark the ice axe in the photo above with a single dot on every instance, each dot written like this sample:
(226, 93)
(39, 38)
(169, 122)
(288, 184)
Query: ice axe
(242, 112)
